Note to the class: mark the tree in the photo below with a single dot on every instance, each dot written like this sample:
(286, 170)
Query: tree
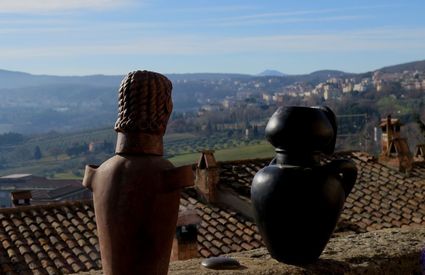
(11, 138)
(37, 153)
(421, 125)
(255, 131)
(55, 152)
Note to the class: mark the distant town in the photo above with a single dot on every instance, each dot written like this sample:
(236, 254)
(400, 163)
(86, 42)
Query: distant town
(333, 88)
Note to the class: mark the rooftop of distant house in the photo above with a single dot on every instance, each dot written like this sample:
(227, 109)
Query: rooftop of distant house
(16, 176)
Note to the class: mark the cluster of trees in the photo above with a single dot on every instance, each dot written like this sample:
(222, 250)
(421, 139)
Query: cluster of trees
(11, 139)
(15, 155)
(236, 118)
(77, 149)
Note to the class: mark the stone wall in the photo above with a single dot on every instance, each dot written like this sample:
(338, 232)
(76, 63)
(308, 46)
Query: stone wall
(389, 251)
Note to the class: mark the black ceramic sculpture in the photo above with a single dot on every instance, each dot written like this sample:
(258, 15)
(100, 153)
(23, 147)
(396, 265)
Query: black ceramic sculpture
(297, 201)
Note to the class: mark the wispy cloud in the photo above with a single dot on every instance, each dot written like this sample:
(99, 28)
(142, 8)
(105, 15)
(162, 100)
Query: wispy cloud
(46, 26)
(297, 16)
(293, 20)
(375, 40)
(216, 8)
(30, 6)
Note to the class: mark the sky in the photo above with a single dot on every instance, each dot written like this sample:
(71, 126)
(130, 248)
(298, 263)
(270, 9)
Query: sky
(80, 37)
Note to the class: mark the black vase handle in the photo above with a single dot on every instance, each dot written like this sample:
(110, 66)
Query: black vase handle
(348, 172)
(332, 120)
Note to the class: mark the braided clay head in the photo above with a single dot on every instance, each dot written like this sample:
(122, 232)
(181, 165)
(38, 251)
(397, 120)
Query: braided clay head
(144, 103)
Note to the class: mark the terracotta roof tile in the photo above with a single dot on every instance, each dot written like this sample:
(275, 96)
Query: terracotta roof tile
(222, 230)
(35, 241)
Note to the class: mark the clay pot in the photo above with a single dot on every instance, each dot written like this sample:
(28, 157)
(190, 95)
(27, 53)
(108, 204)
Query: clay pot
(297, 201)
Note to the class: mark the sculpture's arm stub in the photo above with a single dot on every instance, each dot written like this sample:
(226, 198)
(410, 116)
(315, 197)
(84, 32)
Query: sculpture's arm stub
(177, 178)
(89, 175)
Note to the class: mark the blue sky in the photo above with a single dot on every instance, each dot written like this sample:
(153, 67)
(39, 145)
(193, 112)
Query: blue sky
(79, 37)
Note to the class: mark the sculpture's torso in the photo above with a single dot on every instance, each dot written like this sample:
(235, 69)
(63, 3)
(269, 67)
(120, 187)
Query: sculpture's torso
(133, 213)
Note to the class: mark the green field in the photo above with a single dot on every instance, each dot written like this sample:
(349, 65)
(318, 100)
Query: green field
(67, 176)
(180, 148)
(261, 150)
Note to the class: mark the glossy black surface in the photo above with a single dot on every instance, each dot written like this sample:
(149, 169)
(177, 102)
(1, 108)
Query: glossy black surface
(297, 201)
(302, 129)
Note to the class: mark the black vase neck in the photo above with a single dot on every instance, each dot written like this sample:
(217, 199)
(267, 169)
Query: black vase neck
(297, 158)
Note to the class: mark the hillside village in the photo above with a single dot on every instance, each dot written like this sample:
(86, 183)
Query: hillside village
(333, 88)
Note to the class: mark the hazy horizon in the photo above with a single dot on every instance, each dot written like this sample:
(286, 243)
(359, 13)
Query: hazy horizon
(170, 73)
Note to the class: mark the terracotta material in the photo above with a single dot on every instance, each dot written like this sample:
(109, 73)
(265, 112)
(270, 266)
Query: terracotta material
(136, 193)
(297, 201)
(185, 243)
(395, 151)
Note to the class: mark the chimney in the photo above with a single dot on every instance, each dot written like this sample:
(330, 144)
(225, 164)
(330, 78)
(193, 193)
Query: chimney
(390, 130)
(20, 198)
(185, 243)
(395, 150)
(91, 147)
(420, 153)
(207, 176)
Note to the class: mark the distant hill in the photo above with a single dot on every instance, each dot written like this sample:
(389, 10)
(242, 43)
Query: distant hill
(11, 80)
(206, 76)
(411, 66)
(329, 73)
(271, 73)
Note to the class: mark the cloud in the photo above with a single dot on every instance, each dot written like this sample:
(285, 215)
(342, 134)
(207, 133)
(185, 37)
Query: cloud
(387, 40)
(298, 16)
(31, 6)
(215, 8)
(273, 21)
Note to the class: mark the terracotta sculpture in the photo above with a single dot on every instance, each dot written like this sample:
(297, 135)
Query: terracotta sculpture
(136, 193)
(297, 201)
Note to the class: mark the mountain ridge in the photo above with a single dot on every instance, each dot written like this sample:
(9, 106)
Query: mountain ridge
(409, 66)
(18, 79)
(269, 72)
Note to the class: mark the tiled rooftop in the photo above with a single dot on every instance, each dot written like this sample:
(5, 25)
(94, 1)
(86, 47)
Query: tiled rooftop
(51, 239)
(385, 198)
(222, 230)
(237, 175)
(61, 238)
(52, 194)
(30, 182)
